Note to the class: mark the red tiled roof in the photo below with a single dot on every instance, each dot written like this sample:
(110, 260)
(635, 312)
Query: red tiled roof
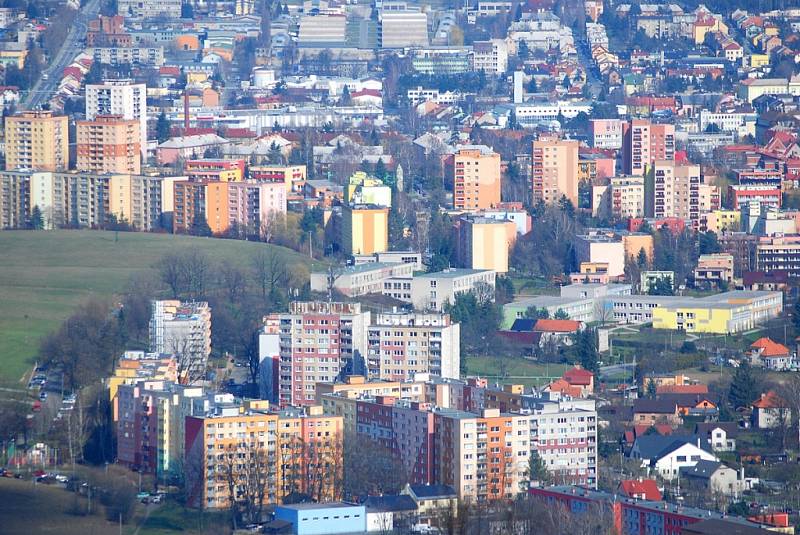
(169, 71)
(366, 93)
(557, 326)
(682, 389)
(635, 488)
(769, 348)
(770, 400)
(578, 376)
(560, 385)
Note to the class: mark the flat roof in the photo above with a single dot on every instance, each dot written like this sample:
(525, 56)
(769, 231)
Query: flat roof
(452, 273)
(319, 506)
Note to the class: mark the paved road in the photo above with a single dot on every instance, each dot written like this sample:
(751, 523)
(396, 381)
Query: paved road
(43, 90)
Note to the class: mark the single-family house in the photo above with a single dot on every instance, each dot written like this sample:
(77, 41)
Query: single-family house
(770, 411)
(655, 411)
(713, 477)
(667, 455)
(770, 354)
(721, 436)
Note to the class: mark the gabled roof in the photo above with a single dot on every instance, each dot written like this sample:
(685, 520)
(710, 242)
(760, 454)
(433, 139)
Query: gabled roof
(560, 385)
(656, 406)
(636, 488)
(706, 428)
(769, 348)
(578, 376)
(682, 389)
(770, 400)
(523, 324)
(557, 326)
(688, 400)
(392, 502)
(701, 470)
(653, 447)
(433, 491)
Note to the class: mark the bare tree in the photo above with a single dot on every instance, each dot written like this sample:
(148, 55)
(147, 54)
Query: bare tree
(269, 271)
(234, 280)
(247, 468)
(789, 391)
(186, 273)
(191, 360)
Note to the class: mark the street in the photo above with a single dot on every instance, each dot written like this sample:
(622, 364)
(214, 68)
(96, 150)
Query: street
(47, 84)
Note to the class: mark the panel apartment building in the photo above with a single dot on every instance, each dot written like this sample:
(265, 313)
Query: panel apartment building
(319, 342)
(81, 200)
(109, 144)
(182, 329)
(476, 178)
(403, 344)
(121, 98)
(37, 140)
(645, 142)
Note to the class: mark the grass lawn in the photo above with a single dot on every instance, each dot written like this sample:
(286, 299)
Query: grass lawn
(516, 370)
(45, 275)
(43, 509)
(533, 286)
(172, 518)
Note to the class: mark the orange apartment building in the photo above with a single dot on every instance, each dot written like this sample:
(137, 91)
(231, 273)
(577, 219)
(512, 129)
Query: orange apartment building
(476, 178)
(311, 452)
(37, 140)
(483, 457)
(247, 206)
(297, 451)
(554, 170)
(109, 144)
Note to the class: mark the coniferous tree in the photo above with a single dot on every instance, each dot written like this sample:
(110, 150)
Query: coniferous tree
(743, 389)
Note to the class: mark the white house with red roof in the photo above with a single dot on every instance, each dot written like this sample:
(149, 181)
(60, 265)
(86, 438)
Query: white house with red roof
(770, 354)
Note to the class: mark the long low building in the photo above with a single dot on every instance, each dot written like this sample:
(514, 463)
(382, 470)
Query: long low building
(728, 312)
(360, 279)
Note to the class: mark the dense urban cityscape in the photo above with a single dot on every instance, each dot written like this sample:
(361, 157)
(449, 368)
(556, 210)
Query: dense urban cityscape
(341, 267)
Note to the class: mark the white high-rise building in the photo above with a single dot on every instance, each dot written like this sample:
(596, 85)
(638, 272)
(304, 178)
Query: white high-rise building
(122, 98)
(182, 329)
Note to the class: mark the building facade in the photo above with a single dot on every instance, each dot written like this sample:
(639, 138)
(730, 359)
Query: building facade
(37, 140)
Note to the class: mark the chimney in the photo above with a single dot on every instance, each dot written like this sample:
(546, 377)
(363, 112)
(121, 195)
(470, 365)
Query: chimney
(185, 111)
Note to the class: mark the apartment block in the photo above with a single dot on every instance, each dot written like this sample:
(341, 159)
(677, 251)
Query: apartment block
(243, 207)
(403, 29)
(605, 133)
(122, 98)
(767, 195)
(645, 142)
(292, 176)
(148, 9)
(622, 198)
(37, 140)
(779, 254)
(209, 169)
(310, 453)
(476, 178)
(365, 229)
(490, 56)
(188, 204)
(563, 432)
(182, 329)
(430, 291)
(554, 170)
(484, 243)
(715, 269)
(675, 191)
(482, 456)
(136, 199)
(319, 342)
(109, 144)
(151, 426)
(225, 445)
(401, 345)
(15, 200)
(120, 55)
(136, 366)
